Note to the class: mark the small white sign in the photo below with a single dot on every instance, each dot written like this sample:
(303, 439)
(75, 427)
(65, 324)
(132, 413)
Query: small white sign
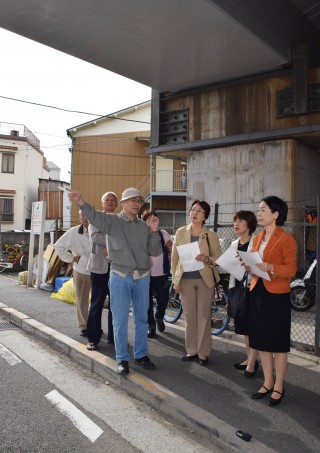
(37, 217)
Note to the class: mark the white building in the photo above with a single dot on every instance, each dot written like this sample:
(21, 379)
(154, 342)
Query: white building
(22, 164)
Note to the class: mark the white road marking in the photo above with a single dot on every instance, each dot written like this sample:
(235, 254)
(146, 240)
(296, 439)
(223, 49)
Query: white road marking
(8, 355)
(78, 418)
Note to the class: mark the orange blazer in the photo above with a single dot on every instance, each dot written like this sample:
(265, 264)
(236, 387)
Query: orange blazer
(281, 251)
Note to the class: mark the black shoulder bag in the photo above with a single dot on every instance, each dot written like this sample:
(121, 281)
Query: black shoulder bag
(238, 305)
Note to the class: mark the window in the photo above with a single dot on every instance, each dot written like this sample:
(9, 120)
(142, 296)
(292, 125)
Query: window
(7, 163)
(6, 209)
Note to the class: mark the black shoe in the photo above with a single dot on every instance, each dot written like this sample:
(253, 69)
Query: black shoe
(161, 325)
(152, 332)
(123, 367)
(249, 374)
(239, 366)
(83, 333)
(186, 358)
(145, 362)
(203, 362)
(275, 402)
(259, 395)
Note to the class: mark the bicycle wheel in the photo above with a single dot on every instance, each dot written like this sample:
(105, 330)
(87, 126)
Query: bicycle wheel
(299, 298)
(174, 308)
(219, 316)
(24, 262)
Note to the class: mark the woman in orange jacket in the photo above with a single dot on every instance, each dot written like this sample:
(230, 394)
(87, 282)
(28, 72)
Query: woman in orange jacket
(270, 310)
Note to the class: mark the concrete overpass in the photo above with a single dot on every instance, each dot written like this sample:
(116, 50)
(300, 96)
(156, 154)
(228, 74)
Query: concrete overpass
(173, 45)
(236, 83)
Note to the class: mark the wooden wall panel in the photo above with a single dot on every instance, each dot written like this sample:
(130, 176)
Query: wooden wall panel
(169, 203)
(240, 109)
(108, 162)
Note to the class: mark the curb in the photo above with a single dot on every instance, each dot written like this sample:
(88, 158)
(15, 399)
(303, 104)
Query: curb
(168, 403)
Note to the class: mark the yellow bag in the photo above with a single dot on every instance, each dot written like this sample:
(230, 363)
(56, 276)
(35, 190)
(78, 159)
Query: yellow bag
(66, 293)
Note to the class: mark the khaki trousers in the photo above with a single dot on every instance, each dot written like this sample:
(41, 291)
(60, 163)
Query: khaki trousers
(196, 300)
(82, 286)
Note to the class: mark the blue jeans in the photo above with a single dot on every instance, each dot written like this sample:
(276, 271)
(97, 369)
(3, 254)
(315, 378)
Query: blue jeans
(125, 291)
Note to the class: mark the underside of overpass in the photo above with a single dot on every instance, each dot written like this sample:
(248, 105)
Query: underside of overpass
(244, 75)
(173, 45)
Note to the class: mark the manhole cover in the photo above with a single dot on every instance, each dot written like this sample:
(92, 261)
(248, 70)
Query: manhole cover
(7, 326)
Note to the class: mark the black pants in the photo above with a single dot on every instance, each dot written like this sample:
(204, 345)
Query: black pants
(160, 287)
(99, 292)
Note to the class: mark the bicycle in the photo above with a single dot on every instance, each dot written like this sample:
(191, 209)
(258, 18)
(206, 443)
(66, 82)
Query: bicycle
(14, 254)
(4, 265)
(219, 317)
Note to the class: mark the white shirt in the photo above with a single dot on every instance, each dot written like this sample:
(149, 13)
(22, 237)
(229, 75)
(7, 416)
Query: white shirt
(234, 245)
(75, 242)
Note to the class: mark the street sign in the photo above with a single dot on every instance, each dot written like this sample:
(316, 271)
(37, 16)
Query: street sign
(37, 218)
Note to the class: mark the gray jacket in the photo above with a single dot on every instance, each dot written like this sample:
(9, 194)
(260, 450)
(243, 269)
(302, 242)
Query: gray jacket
(131, 242)
(98, 263)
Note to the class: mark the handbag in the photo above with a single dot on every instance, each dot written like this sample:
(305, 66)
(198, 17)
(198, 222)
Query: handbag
(238, 305)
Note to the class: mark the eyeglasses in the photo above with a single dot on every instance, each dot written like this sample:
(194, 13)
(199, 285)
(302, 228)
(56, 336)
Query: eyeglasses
(197, 211)
(110, 200)
(135, 200)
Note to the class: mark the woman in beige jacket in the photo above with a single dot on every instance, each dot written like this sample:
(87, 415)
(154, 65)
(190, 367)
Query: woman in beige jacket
(196, 287)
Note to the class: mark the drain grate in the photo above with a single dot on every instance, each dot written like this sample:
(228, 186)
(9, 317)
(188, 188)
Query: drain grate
(7, 326)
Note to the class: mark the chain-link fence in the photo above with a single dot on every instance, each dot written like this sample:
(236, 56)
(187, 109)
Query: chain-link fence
(305, 312)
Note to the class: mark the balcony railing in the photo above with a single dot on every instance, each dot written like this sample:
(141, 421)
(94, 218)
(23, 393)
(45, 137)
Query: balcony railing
(19, 130)
(169, 181)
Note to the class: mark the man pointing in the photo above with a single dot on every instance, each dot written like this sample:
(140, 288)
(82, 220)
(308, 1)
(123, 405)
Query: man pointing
(131, 243)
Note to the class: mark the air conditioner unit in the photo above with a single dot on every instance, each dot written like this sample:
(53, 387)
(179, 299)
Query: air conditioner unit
(14, 133)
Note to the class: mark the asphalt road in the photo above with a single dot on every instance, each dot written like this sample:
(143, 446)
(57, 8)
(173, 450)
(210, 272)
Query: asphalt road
(50, 404)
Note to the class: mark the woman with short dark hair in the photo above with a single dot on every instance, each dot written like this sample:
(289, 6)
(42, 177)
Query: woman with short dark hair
(196, 287)
(270, 310)
(244, 224)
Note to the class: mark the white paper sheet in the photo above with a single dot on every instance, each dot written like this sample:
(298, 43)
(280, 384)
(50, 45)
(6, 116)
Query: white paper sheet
(251, 259)
(230, 262)
(187, 254)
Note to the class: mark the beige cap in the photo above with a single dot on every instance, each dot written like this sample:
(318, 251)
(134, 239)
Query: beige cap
(132, 192)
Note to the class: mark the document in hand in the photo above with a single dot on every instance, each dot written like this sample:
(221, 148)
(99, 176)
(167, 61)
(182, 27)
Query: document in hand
(230, 262)
(187, 254)
(251, 259)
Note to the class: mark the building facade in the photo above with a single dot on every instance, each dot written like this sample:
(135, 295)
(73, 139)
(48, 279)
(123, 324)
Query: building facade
(22, 163)
(108, 154)
(244, 140)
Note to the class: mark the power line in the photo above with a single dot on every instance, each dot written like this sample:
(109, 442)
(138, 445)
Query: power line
(73, 111)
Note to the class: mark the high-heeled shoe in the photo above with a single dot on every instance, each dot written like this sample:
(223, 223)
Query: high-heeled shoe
(259, 395)
(243, 366)
(187, 358)
(249, 374)
(203, 362)
(240, 366)
(274, 401)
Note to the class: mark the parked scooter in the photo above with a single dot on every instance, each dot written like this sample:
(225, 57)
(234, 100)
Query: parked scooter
(303, 290)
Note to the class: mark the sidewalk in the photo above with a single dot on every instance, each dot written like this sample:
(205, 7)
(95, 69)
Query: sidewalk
(214, 401)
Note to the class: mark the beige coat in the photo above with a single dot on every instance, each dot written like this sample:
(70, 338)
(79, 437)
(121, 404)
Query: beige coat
(183, 236)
